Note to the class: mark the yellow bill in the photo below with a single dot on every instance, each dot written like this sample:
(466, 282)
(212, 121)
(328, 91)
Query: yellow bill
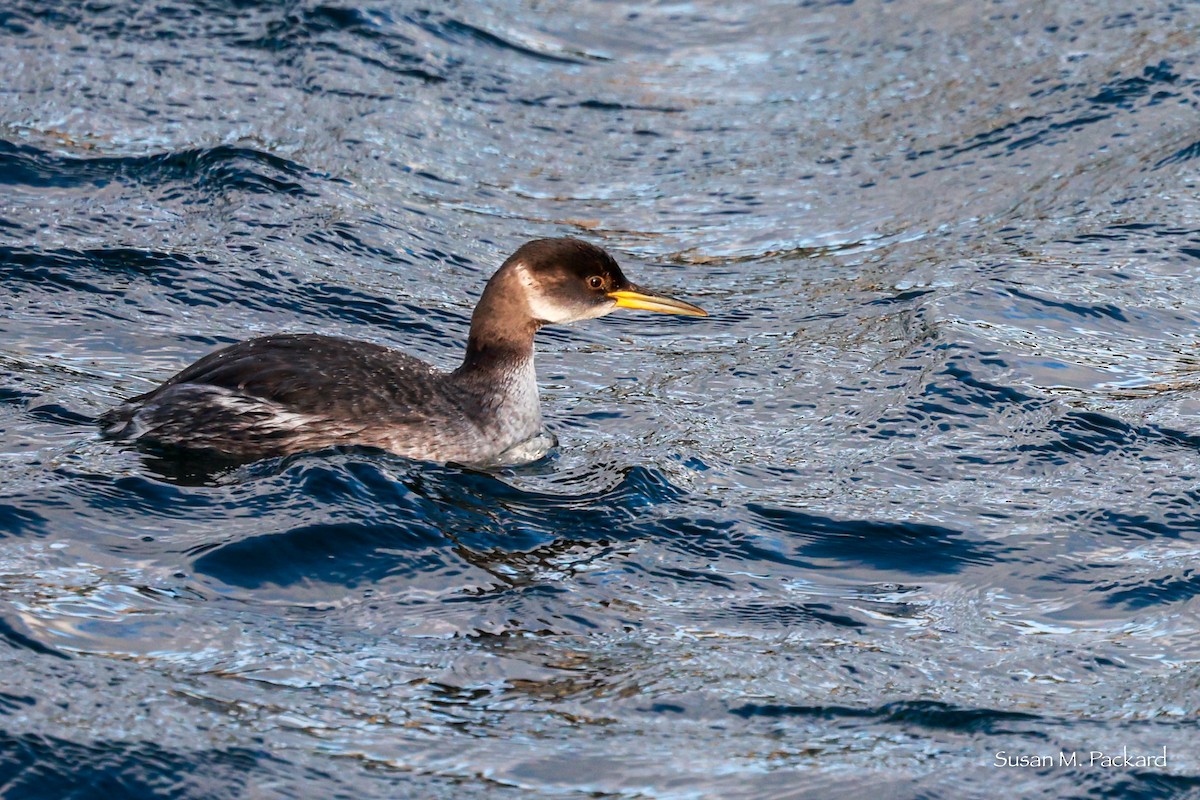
(647, 300)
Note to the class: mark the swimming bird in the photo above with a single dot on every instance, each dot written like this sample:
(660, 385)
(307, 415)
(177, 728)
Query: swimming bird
(290, 393)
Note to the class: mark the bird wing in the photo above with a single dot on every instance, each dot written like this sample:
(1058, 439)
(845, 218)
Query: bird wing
(321, 376)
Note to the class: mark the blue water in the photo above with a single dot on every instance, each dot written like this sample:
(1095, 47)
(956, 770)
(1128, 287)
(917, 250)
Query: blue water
(918, 498)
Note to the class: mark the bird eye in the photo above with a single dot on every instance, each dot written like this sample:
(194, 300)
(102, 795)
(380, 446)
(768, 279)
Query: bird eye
(595, 281)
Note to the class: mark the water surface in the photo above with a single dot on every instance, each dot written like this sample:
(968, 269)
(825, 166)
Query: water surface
(922, 490)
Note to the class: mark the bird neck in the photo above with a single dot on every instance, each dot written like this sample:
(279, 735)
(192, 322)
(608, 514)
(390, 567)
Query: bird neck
(497, 376)
(502, 328)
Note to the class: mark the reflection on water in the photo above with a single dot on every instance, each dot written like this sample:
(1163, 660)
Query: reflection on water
(919, 491)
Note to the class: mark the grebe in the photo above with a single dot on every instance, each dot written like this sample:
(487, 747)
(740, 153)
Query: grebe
(289, 393)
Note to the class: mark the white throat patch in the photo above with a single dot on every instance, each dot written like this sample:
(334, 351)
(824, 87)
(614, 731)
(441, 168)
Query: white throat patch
(539, 307)
(545, 310)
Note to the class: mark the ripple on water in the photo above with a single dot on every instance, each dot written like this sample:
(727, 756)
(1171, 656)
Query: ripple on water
(929, 715)
(209, 173)
(333, 530)
(16, 521)
(53, 767)
(891, 547)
